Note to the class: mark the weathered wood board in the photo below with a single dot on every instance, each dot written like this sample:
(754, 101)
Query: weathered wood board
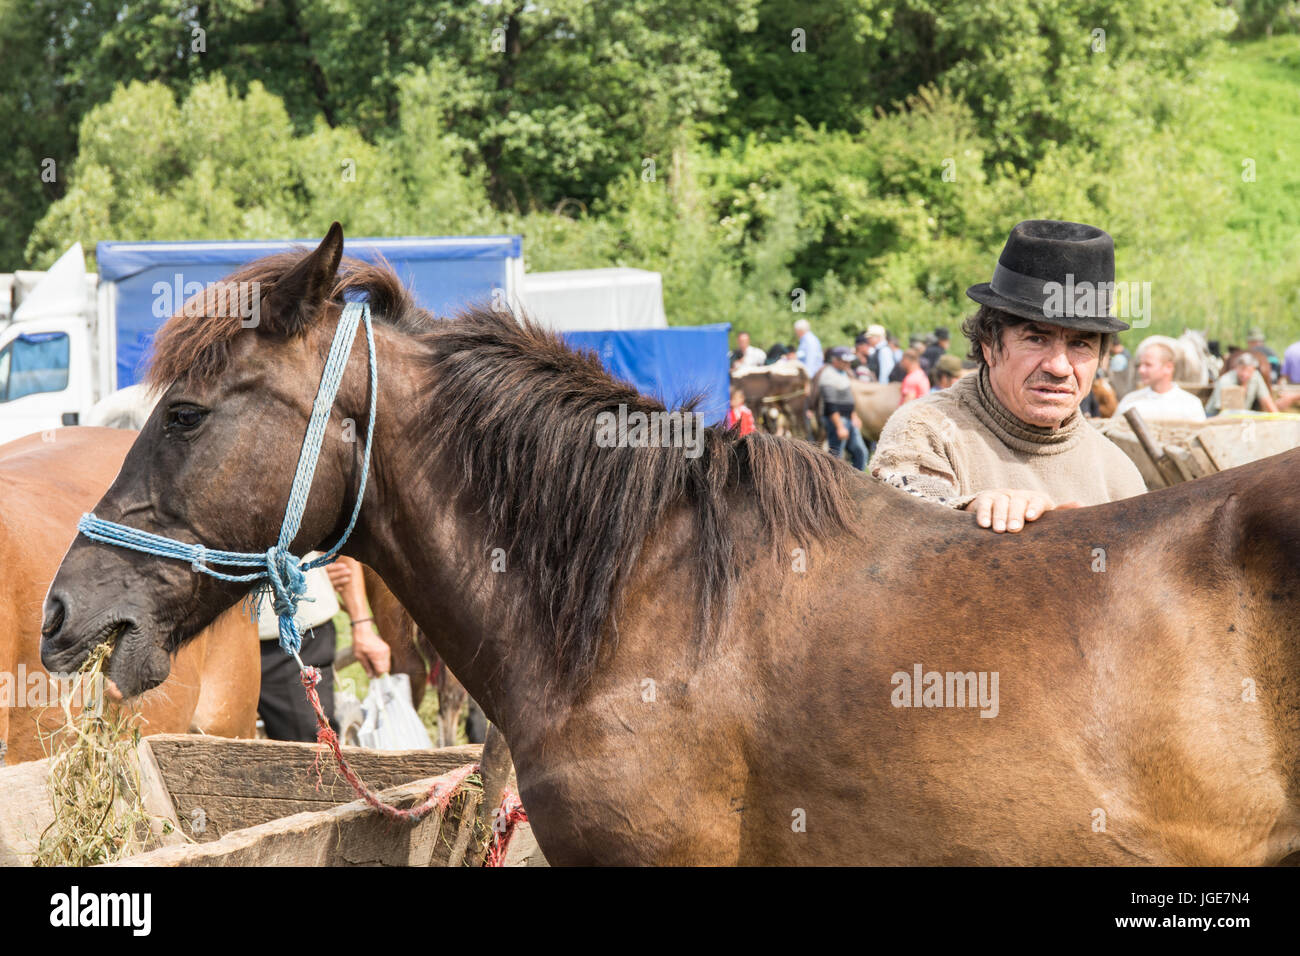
(1199, 448)
(25, 810)
(219, 786)
(257, 803)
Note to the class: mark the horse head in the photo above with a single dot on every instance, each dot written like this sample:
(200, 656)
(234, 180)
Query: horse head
(213, 465)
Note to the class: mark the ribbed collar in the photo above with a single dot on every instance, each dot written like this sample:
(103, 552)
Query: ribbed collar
(977, 392)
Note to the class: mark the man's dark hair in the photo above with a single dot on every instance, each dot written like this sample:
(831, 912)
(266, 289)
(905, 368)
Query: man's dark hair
(986, 326)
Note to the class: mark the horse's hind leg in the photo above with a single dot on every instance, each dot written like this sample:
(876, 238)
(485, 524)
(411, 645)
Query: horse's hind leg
(451, 701)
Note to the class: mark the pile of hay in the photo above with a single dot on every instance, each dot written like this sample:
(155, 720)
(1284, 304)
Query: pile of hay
(94, 779)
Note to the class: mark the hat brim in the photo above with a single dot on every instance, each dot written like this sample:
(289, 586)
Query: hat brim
(984, 295)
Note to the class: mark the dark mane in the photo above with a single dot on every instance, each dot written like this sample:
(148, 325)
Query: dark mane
(193, 346)
(514, 411)
(517, 415)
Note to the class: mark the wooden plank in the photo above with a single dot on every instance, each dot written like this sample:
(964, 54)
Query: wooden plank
(354, 834)
(164, 827)
(498, 772)
(1165, 467)
(219, 786)
(25, 811)
(1238, 441)
(194, 764)
(524, 850)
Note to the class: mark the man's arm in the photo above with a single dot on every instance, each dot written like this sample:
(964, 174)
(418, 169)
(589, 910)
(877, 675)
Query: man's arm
(886, 362)
(369, 648)
(912, 456)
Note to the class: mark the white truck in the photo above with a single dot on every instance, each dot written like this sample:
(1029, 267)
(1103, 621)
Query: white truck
(69, 339)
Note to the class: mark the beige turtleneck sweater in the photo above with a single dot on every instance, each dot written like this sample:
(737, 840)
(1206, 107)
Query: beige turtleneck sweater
(952, 444)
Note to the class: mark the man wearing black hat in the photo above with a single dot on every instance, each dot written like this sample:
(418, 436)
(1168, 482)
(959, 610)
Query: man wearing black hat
(1007, 442)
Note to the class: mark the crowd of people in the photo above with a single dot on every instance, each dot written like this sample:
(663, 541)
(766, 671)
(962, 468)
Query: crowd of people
(876, 356)
(1247, 380)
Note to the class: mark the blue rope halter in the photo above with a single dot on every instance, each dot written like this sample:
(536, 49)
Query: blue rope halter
(284, 574)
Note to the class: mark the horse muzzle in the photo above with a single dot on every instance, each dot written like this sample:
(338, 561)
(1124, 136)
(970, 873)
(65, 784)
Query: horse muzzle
(135, 664)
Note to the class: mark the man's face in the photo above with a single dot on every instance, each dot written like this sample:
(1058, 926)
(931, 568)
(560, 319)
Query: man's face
(1245, 373)
(742, 341)
(873, 341)
(798, 332)
(1042, 372)
(1154, 369)
(863, 350)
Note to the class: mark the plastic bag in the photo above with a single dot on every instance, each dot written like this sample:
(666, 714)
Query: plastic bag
(389, 721)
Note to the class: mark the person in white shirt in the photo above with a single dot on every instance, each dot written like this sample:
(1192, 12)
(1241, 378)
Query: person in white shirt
(810, 347)
(747, 354)
(1160, 399)
(881, 359)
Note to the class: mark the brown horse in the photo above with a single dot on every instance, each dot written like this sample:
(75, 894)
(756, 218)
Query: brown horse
(875, 402)
(778, 395)
(47, 486)
(667, 641)
(1107, 402)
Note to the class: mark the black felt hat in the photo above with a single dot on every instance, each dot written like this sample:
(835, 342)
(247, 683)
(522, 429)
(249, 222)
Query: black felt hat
(1057, 273)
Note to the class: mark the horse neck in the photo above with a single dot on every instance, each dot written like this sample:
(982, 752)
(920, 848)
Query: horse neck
(429, 550)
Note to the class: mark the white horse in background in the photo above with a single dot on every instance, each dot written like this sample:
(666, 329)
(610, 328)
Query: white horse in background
(128, 407)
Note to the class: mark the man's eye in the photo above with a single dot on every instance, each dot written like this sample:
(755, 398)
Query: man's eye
(185, 417)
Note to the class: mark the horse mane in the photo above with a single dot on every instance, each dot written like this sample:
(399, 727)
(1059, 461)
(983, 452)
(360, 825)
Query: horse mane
(193, 346)
(515, 422)
(513, 415)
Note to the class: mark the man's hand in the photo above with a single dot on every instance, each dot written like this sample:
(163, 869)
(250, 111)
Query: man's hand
(340, 573)
(370, 649)
(1007, 509)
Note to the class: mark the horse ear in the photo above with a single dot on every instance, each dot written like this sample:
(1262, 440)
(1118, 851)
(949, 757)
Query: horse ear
(296, 299)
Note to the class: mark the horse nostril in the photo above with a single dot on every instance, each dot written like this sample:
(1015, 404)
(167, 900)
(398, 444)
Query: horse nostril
(54, 612)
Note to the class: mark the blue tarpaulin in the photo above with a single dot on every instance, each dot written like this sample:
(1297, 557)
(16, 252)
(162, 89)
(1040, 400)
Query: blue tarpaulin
(672, 365)
(154, 279)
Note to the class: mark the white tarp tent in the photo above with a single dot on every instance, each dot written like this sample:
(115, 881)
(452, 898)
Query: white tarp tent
(60, 292)
(596, 299)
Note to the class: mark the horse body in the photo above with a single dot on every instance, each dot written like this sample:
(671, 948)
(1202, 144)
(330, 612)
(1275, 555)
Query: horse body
(775, 390)
(1120, 700)
(875, 402)
(671, 646)
(214, 679)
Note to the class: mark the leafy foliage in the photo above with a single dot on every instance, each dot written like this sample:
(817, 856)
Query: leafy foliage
(860, 159)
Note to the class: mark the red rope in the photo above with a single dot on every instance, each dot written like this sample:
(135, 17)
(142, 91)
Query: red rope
(440, 795)
(509, 815)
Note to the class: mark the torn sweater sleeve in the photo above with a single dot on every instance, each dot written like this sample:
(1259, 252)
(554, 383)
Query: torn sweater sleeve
(912, 456)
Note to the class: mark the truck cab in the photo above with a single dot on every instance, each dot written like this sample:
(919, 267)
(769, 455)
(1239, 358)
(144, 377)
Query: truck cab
(47, 346)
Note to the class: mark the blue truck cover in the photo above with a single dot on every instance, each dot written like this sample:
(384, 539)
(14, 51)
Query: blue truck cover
(673, 365)
(445, 274)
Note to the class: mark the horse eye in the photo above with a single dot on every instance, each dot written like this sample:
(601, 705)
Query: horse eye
(184, 417)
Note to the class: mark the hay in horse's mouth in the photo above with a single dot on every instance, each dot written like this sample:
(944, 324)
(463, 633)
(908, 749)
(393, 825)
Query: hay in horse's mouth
(104, 645)
(94, 783)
